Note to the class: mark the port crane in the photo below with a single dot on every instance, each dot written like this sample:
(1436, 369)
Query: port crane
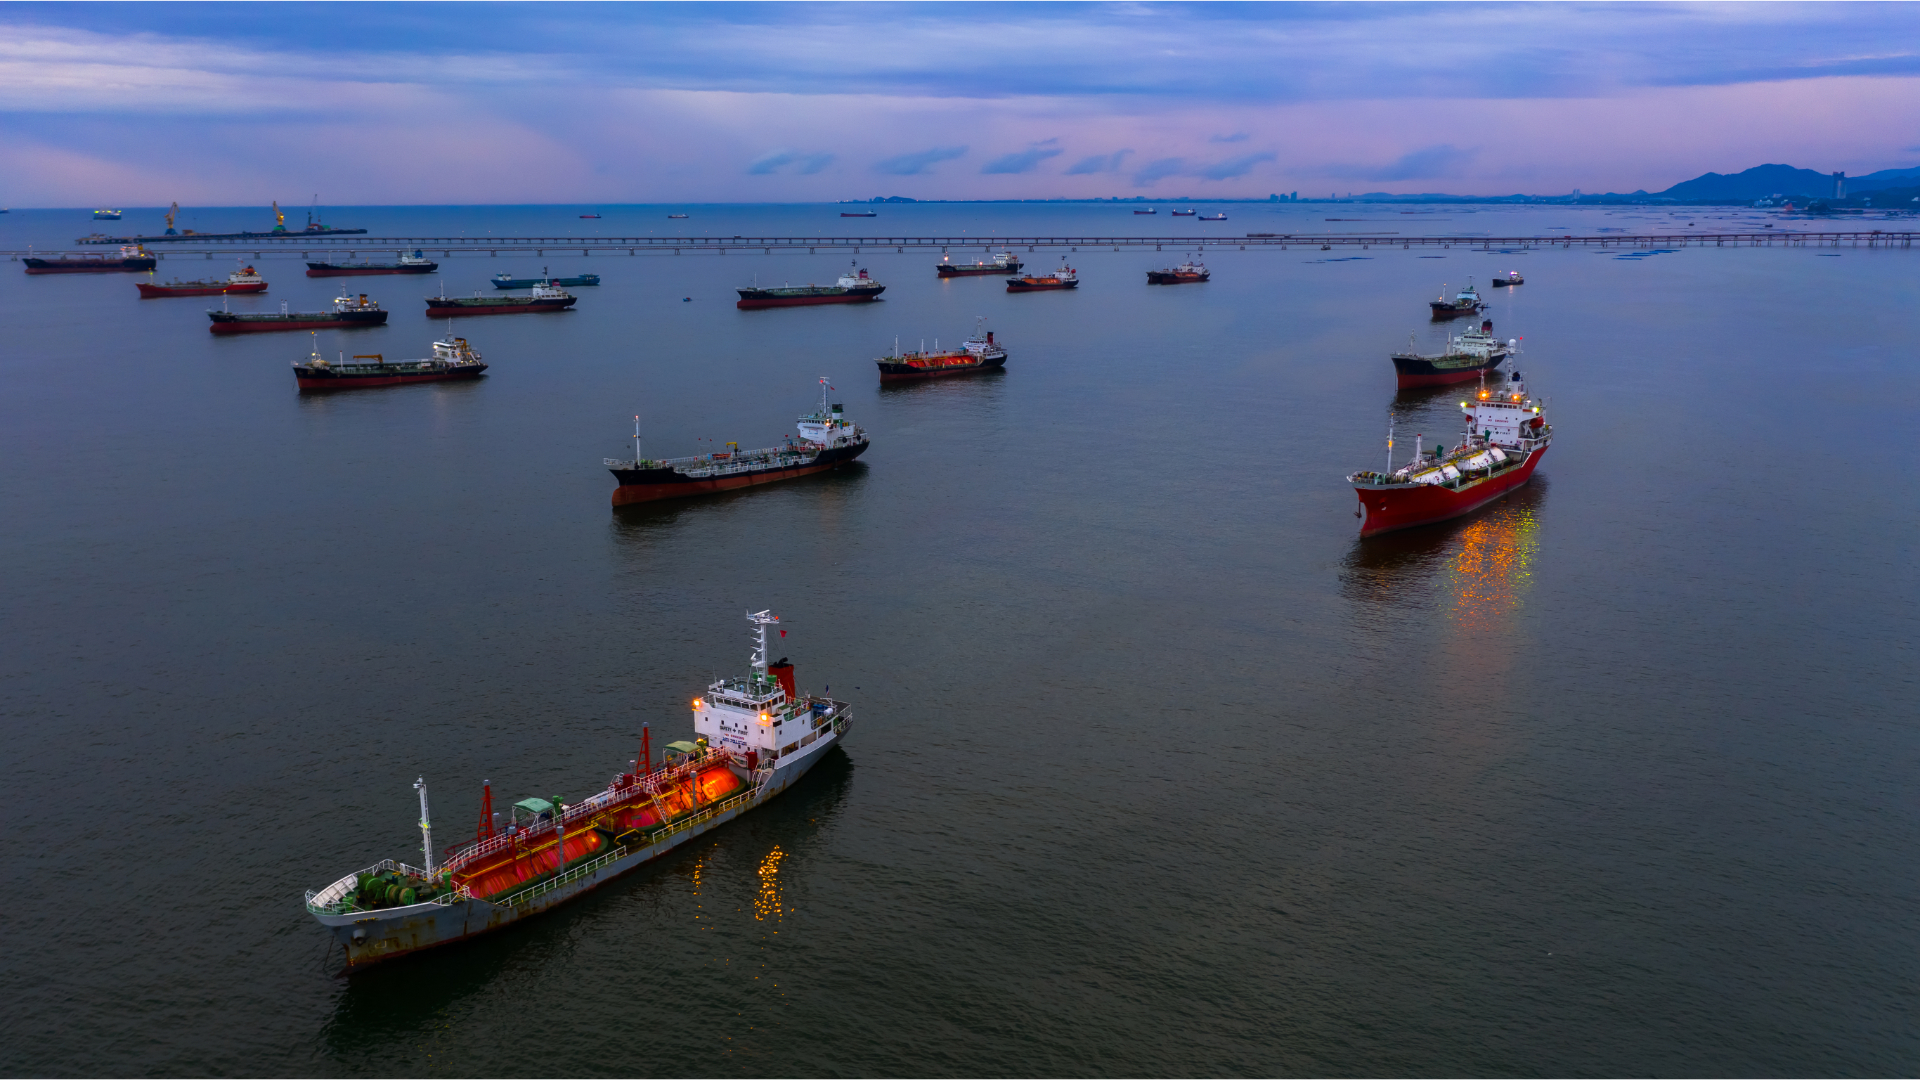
(172, 212)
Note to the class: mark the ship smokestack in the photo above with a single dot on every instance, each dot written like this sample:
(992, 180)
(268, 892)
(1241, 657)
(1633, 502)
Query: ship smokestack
(784, 672)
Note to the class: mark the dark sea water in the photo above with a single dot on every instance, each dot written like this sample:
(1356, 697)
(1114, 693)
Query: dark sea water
(1156, 768)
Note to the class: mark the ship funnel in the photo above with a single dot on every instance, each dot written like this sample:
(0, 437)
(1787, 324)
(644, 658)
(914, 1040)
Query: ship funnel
(783, 671)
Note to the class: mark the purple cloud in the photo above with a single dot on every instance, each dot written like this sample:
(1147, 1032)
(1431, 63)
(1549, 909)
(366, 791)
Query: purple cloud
(1024, 161)
(774, 161)
(919, 162)
(1426, 163)
(1098, 163)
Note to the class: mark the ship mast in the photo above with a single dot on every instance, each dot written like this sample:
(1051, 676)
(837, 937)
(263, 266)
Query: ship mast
(761, 620)
(636, 442)
(426, 824)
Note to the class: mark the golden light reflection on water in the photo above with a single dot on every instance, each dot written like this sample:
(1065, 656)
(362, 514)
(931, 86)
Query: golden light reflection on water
(767, 902)
(1490, 572)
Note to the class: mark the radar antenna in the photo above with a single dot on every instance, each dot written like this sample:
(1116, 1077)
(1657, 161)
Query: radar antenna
(761, 620)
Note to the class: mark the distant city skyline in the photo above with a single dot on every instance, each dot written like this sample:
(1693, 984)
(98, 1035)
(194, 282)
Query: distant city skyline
(449, 103)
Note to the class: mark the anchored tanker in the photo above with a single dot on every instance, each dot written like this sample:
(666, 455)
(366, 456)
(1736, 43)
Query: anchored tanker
(756, 735)
(1505, 438)
(828, 440)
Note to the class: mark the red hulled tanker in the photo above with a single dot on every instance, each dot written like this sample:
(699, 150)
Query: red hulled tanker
(1506, 436)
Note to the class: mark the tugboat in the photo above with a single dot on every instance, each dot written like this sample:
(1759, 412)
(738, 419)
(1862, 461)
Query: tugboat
(542, 298)
(1186, 272)
(346, 314)
(1513, 278)
(1465, 302)
(828, 440)
(854, 287)
(452, 359)
(502, 281)
(1505, 438)
(755, 735)
(978, 353)
(1063, 278)
(247, 280)
(1466, 357)
(131, 257)
(415, 263)
(1003, 263)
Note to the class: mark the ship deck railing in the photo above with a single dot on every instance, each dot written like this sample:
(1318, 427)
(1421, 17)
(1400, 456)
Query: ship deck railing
(595, 865)
(651, 785)
(1517, 455)
(738, 458)
(345, 905)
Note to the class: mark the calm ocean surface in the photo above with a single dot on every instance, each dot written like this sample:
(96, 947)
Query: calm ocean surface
(1156, 768)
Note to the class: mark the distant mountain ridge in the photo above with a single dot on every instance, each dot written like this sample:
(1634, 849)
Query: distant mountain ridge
(1764, 180)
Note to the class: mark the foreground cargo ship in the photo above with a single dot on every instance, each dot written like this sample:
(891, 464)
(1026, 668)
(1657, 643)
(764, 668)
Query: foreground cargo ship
(854, 287)
(1505, 439)
(1466, 357)
(542, 298)
(247, 280)
(415, 263)
(828, 440)
(347, 313)
(755, 735)
(131, 257)
(978, 353)
(452, 359)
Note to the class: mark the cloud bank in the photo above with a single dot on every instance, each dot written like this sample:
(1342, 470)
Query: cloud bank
(456, 102)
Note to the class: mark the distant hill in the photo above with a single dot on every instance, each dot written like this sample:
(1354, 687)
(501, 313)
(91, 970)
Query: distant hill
(1764, 180)
(1885, 178)
(1756, 183)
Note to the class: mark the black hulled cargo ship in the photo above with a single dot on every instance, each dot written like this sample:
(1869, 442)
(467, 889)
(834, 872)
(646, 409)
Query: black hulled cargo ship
(347, 313)
(1003, 263)
(1466, 357)
(415, 263)
(978, 353)
(452, 359)
(131, 257)
(542, 298)
(828, 440)
(854, 287)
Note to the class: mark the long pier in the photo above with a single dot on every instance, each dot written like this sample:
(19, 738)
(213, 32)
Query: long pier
(295, 244)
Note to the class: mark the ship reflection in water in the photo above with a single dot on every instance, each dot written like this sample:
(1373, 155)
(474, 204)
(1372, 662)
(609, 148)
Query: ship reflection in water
(1477, 568)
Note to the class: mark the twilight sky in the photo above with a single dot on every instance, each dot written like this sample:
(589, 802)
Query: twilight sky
(233, 104)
